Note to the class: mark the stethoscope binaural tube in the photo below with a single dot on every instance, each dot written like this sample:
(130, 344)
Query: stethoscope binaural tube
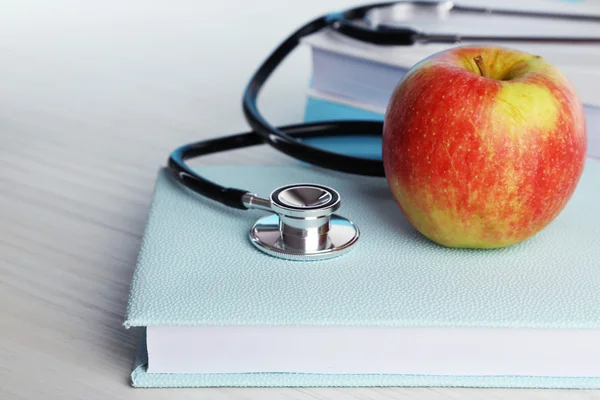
(281, 140)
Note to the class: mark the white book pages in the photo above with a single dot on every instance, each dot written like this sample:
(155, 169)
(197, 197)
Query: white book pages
(364, 350)
(578, 62)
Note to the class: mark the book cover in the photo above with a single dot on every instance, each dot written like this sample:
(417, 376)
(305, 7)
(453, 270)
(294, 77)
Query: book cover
(196, 267)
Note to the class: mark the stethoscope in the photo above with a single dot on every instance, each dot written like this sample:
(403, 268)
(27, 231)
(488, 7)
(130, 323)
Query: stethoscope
(302, 224)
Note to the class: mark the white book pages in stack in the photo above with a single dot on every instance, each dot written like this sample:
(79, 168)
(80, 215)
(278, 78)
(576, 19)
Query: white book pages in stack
(363, 75)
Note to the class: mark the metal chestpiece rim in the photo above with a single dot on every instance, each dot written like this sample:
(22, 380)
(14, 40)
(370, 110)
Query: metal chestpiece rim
(303, 225)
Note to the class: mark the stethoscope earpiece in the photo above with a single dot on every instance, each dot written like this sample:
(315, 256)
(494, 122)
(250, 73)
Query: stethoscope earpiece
(303, 225)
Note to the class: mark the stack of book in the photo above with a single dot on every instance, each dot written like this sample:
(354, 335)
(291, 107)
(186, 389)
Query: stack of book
(354, 80)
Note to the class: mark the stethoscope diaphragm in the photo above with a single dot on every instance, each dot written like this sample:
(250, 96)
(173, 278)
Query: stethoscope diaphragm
(303, 225)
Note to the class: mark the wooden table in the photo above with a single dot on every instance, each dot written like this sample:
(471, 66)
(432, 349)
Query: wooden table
(94, 96)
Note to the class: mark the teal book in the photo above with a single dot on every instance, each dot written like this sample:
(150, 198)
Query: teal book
(397, 310)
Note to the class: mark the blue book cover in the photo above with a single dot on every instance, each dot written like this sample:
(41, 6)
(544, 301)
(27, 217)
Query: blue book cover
(318, 109)
(197, 267)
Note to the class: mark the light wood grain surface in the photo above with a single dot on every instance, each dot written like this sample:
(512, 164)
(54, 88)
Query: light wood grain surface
(94, 96)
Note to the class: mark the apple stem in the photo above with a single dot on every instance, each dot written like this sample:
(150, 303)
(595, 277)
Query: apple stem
(483, 69)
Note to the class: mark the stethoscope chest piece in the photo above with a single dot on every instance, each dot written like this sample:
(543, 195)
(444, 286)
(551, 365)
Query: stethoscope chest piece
(303, 226)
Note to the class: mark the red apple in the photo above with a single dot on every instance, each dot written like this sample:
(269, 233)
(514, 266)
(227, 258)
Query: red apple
(483, 146)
